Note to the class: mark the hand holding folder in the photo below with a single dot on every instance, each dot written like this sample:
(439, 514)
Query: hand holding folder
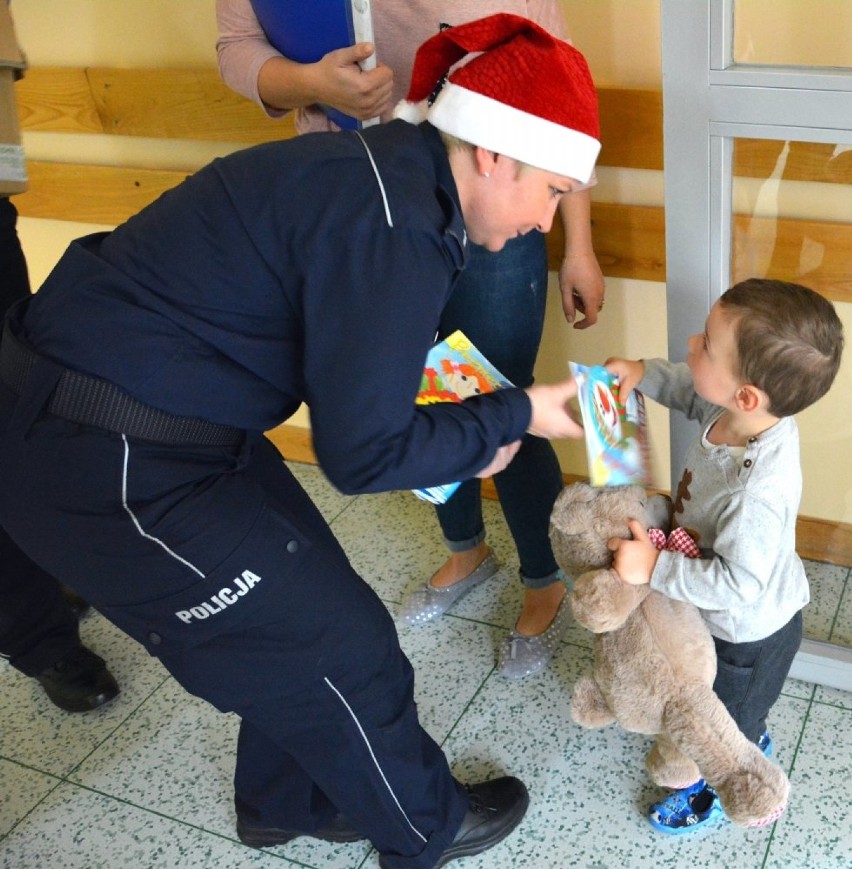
(307, 31)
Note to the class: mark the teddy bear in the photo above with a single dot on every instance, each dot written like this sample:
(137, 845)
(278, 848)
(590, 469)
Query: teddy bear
(654, 660)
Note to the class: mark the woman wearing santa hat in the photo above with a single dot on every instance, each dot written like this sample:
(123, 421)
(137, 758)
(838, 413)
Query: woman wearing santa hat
(135, 386)
(498, 301)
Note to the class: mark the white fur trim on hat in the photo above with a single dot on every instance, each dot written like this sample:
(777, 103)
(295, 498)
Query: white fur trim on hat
(480, 120)
(414, 113)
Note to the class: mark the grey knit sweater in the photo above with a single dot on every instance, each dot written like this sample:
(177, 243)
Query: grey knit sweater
(750, 581)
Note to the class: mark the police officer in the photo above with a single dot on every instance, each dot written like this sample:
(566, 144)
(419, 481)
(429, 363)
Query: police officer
(136, 384)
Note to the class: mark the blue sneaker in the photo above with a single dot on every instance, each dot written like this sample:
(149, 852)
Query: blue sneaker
(686, 809)
(696, 806)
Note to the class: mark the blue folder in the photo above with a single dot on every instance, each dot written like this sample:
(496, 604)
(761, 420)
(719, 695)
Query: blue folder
(306, 30)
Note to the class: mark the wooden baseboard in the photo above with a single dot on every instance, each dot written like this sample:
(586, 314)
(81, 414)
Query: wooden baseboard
(817, 539)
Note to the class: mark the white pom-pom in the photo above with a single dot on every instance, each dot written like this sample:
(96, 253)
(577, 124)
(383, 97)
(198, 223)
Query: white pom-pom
(414, 113)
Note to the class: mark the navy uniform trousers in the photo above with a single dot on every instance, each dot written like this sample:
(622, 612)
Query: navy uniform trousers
(218, 562)
(37, 626)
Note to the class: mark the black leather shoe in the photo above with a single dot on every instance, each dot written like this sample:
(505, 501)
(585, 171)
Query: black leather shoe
(79, 682)
(339, 830)
(496, 808)
(78, 606)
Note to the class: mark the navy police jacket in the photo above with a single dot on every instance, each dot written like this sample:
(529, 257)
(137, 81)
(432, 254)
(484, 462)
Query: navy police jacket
(312, 270)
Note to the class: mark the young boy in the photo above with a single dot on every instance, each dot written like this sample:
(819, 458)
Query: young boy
(769, 350)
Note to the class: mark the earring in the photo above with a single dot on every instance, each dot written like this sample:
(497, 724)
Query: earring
(486, 174)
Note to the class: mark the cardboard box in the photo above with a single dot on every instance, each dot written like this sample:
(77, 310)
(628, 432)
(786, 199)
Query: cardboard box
(13, 171)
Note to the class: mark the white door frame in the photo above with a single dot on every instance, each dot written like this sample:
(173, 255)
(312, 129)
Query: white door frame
(708, 101)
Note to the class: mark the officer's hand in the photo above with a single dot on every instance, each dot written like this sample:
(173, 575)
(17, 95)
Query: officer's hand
(551, 416)
(501, 459)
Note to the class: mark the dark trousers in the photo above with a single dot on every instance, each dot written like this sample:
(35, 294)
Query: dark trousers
(14, 280)
(218, 562)
(750, 676)
(37, 627)
(499, 302)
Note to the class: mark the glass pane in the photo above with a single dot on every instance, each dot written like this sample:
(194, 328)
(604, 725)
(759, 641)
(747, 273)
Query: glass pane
(793, 33)
(793, 213)
(792, 221)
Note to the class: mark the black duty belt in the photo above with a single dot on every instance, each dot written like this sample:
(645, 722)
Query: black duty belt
(89, 400)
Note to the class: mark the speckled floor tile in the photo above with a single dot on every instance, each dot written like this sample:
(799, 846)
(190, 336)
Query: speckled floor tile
(816, 833)
(175, 757)
(330, 502)
(798, 688)
(827, 582)
(21, 789)
(394, 541)
(75, 828)
(149, 777)
(37, 733)
(173, 742)
(589, 790)
(409, 549)
(451, 660)
(833, 697)
(841, 632)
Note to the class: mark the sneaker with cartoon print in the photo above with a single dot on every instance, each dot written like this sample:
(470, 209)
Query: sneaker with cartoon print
(696, 806)
(686, 809)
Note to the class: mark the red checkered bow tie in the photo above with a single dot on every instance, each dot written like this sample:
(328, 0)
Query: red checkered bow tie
(678, 541)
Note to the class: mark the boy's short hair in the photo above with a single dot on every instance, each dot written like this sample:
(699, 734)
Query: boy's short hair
(789, 341)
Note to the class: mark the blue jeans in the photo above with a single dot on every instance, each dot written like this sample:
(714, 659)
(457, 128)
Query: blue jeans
(499, 303)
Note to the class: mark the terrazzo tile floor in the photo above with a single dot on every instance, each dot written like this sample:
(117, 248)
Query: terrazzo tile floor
(146, 781)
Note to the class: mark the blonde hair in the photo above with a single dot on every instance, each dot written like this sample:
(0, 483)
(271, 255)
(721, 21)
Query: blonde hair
(453, 143)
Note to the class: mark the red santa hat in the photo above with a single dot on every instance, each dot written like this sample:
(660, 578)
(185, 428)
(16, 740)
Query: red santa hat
(528, 95)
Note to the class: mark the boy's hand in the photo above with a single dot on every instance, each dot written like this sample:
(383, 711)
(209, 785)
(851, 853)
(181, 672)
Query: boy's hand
(629, 373)
(634, 560)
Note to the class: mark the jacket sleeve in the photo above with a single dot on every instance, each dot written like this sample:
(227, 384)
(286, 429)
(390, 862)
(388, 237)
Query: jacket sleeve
(372, 299)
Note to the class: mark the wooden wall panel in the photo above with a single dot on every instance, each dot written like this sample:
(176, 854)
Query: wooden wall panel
(57, 100)
(818, 252)
(631, 128)
(629, 241)
(179, 104)
(815, 538)
(91, 194)
(793, 161)
(196, 104)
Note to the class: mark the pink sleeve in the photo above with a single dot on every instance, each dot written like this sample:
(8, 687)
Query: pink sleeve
(241, 49)
(548, 14)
